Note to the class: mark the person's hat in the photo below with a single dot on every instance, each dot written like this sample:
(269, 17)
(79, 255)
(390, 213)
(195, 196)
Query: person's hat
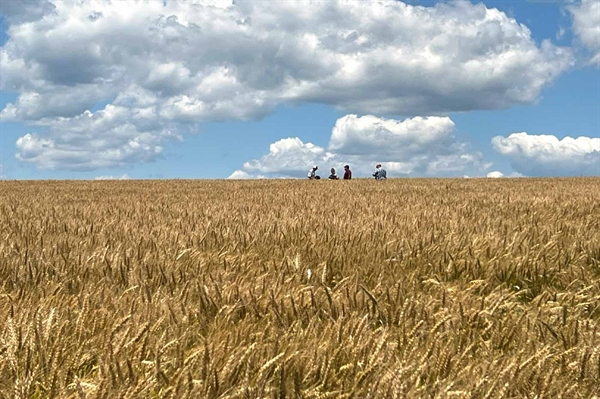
(315, 167)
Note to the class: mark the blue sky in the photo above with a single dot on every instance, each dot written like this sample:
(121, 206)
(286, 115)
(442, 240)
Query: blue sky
(252, 110)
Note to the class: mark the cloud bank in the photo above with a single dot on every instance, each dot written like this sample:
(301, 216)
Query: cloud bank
(412, 147)
(114, 136)
(495, 174)
(546, 155)
(122, 177)
(164, 66)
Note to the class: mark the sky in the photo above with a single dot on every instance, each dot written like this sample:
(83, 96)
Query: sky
(195, 89)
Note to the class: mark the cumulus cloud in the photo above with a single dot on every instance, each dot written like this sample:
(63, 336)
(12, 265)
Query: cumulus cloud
(242, 175)
(586, 25)
(546, 155)
(122, 177)
(286, 158)
(389, 138)
(495, 175)
(111, 137)
(415, 146)
(209, 60)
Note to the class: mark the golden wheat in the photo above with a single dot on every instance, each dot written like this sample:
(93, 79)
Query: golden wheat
(300, 289)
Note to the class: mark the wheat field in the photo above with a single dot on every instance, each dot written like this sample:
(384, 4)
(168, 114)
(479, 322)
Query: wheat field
(411, 288)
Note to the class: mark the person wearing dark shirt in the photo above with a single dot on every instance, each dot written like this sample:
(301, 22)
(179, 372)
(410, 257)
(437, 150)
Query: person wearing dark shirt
(380, 173)
(347, 173)
(333, 176)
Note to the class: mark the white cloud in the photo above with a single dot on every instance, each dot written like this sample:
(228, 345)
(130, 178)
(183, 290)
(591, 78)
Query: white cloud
(546, 155)
(122, 177)
(415, 146)
(389, 138)
(495, 175)
(111, 137)
(287, 157)
(196, 61)
(241, 175)
(586, 25)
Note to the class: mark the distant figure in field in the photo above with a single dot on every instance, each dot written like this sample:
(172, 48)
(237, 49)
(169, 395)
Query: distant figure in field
(380, 173)
(333, 176)
(312, 173)
(347, 173)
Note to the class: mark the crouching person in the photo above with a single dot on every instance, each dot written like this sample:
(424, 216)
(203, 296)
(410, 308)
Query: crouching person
(380, 173)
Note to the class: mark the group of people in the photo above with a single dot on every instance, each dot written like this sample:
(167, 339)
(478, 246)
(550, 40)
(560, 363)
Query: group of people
(380, 173)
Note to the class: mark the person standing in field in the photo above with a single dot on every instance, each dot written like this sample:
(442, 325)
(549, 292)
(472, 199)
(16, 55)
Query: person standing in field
(347, 173)
(380, 173)
(312, 173)
(333, 176)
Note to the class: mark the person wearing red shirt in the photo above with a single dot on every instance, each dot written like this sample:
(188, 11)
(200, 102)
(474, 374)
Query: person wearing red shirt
(347, 173)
